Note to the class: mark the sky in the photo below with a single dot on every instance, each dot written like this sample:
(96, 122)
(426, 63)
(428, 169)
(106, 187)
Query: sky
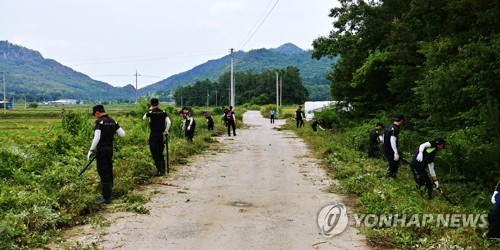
(109, 40)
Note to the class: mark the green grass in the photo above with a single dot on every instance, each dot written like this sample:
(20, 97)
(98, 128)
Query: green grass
(363, 179)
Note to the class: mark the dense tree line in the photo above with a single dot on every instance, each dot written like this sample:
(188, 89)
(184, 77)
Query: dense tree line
(250, 87)
(435, 61)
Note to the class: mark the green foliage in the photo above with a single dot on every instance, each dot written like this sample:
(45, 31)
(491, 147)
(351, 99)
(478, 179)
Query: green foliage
(40, 191)
(253, 88)
(363, 178)
(33, 105)
(436, 62)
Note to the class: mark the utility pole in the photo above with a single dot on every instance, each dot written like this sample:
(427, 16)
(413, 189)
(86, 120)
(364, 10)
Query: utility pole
(216, 104)
(281, 92)
(136, 101)
(232, 78)
(4, 102)
(277, 92)
(207, 97)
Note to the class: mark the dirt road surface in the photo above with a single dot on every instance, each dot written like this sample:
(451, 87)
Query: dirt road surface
(260, 191)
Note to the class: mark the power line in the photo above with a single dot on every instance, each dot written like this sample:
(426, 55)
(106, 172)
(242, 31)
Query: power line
(255, 31)
(112, 60)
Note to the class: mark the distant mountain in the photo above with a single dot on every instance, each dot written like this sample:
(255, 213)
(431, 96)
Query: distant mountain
(29, 75)
(313, 72)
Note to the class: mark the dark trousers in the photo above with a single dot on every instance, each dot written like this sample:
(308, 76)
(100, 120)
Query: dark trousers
(156, 146)
(299, 122)
(210, 126)
(374, 151)
(231, 124)
(421, 177)
(104, 159)
(392, 168)
(190, 133)
(494, 222)
(272, 118)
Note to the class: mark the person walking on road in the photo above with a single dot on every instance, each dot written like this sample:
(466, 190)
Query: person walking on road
(189, 124)
(210, 120)
(390, 145)
(299, 117)
(424, 156)
(375, 141)
(231, 121)
(159, 125)
(105, 127)
(272, 113)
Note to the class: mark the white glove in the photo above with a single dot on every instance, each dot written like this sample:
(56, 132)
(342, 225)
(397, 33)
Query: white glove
(189, 128)
(420, 156)
(493, 197)
(396, 156)
(165, 132)
(89, 154)
(436, 184)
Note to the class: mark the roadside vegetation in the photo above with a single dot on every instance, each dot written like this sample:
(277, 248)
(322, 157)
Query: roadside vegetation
(343, 147)
(43, 150)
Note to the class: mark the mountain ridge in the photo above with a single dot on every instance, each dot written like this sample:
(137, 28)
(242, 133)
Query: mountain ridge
(36, 78)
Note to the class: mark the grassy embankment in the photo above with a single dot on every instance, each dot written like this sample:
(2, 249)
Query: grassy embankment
(363, 179)
(43, 150)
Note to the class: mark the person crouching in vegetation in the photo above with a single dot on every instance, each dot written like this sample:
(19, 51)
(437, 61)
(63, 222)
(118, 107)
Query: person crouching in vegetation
(424, 156)
(317, 123)
(104, 130)
(159, 124)
(375, 141)
(189, 124)
(210, 120)
(494, 215)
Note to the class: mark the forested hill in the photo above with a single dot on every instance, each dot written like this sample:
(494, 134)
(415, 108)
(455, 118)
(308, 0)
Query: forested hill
(313, 72)
(29, 75)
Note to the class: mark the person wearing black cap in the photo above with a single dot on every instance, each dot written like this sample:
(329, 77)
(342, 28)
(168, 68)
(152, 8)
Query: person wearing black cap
(105, 128)
(375, 141)
(424, 156)
(159, 125)
(390, 145)
(494, 215)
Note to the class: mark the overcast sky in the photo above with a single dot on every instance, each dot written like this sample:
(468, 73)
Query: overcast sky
(110, 39)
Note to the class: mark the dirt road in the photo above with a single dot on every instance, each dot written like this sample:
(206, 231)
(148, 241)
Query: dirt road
(261, 191)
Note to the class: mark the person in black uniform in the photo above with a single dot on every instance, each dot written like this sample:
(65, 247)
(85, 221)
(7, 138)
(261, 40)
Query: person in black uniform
(159, 125)
(317, 123)
(424, 156)
(210, 120)
(104, 130)
(231, 121)
(189, 124)
(299, 117)
(494, 215)
(390, 145)
(375, 141)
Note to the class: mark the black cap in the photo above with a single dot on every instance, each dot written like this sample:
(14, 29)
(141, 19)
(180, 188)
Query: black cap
(440, 141)
(154, 102)
(96, 108)
(399, 117)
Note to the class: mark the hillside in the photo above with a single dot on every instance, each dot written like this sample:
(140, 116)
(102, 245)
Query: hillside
(313, 72)
(29, 75)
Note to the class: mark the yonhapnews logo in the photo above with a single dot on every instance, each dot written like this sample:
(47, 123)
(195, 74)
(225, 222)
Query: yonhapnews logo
(333, 220)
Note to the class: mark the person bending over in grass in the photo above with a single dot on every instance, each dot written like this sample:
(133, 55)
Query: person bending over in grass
(424, 156)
